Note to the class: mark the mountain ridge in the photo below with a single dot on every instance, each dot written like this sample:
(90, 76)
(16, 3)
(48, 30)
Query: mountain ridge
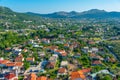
(92, 13)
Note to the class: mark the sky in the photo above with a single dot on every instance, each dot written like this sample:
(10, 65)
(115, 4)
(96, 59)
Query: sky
(49, 6)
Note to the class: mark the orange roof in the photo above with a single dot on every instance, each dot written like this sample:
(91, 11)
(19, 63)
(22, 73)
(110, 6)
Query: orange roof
(79, 74)
(42, 78)
(19, 58)
(19, 64)
(10, 64)
(29, 59)
(93, 55)
(32, 76)
(4, 61)
(86, 70)
(61, 70)
(76, 75)
(64, 54)
(66, 45)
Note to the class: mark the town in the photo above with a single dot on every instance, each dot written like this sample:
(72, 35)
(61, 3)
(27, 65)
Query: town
(59, 49)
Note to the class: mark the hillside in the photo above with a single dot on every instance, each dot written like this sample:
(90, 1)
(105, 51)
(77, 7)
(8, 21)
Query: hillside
(13, 20)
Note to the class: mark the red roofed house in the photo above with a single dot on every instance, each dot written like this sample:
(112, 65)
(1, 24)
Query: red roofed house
(96, 62)
(32, 76)
(79, 75)
(50, 65)
(42, 78)
(66, 45)
(11, 76)
(62, 71)
(20, 58)
(3, 62)
(30, 59)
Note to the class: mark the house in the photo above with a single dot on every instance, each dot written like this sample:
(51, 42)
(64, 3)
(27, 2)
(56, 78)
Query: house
(7, 49)
(52, 48)
(25, 50)
(50, 65)
(96, 62)
(79, 75)
(66, 45)
(14, 65)
(59, 52)
(19, 58)
(30, 59)
(94, 50)
(16, 51)
(91, 42)
(72, 67)
(86, 70)
(53, 59)
(95, 56)
(44, 63)
(85, 49)
(63, 54)
(77, 55)
(62, 71)
(55, 55)
(64, 63)
(42, 78)
(75, 44)
(32, 76)
(45, 40)
(11, 76)
(3, 62)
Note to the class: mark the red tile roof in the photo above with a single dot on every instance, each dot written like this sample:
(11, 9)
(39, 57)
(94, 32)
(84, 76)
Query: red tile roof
(18, 64)
(10, 76)
(80, 74)
(50, 65)
(64, 54)
(42, 78)
(4, 61)
(19, 58)
(29, 59)
(61, 70)
(97, 62)
(77, 75)
(86, 70)
(32, 76)
(10, 64)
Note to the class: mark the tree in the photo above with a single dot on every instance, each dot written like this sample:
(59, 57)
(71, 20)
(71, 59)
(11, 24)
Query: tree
(107, 77)
(26, 65)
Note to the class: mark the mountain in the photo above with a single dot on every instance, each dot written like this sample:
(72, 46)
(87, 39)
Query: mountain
(61, 14)
(93, 13)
